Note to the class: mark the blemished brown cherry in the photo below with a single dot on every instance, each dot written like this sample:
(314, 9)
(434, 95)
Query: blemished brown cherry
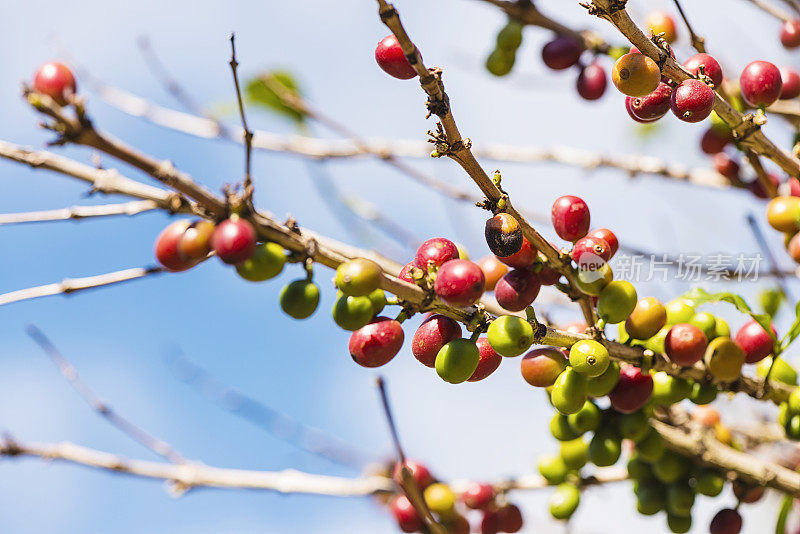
(433, 334)
(377, 343)
(790, 34)
(488, 363)
(503, 235)
(636, 75)
(711, 67)
(234, 240)
(592, 81)
(392, 60)
(570, 217)
(761, 83)
(459, 283)
(562, 52)
(652, 106)
(509, 518)
(790, 80)
(166, 247)
(436, 251)
(518, 289)
(523, 258)
(692, 101)
(55, 80)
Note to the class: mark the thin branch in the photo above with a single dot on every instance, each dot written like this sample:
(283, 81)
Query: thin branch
(79, 213)
(762, 176)
(772, 10)
(767, 251)
(248, 134)
(103, 409)
(698, 42)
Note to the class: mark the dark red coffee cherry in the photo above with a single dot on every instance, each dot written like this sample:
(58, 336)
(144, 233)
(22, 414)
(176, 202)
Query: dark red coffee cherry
(794, 187)
(56, 81)
(523, 258)
(714, 141)
(377, 343)
(758, 190)
(761, 83)
(790, 34)
(548, 276)
(509, 518)
(234, 240)
(592, 81)
(727, 521)
(167, 247)
(790, 80)
(437, 250)
(570, 217)
(433, 334)
(710, 65)
(628, 107)
(652, 106)
(747, 493)
(562, 52)
(692, 101)
(727, 167)
(518, 289)
(609, 237)
(392, 60)
(421, 474)
(756, 343)
(408, 520)
(478, 496)
(459, 283)
(503, 235)
(488, 363)
(591, 252)
(632, 391)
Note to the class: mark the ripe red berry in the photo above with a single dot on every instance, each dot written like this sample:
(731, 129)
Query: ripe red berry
(761, 83)
(541, 367)
(392, 60)
(408, 520)
(758, 190)
(794, 187)
(746, 493)
(754, 341)
(377, 343)
(56, 81)
(652, 106)
(713, 141)
(562, 52)
(591, 252)
(488, 363)
(790, 80)
(692, 101)
(490, 522)
(405, 273)
(727, 167)
(727, 521)
(509, 518)
(570, 217)
(710, 65)
(459, 283)
(433, 334)
(437, 250)
(522, 259)
(517, 289)
(609, 237)
(234, 240)
(166, 247)
(790, 34)
(549, 276)
(628, 107)
(685, 344)
(478, 496)
(421, 474)
(632, 391)
(195, 243)
(592, 81)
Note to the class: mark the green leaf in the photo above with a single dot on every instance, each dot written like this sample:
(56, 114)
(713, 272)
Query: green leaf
(783, 514)
(794, 331)
(270, 89)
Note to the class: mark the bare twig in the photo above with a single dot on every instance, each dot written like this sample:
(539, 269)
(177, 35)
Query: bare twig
(698, 42)
(767, 251)
(248, 134)
(103, 409)
(79, 213)
(772, 10)
(762, 177)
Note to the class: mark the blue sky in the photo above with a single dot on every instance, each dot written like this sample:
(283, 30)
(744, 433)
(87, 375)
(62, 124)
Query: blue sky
(118, 337)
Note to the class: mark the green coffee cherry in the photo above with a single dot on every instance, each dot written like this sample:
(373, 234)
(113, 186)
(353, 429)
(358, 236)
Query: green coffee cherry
(457, 360)
(510, 37)
(574, 453)
(378, 299)
(671, 467)
(709, 483)
(561, 429)
(634, 426)
(510, 335)
(605, 447)
(680, 498)
(722, 329)
(267, 262)
(500, 62)
(703, 393)
(668, 390)
(552, 468)
(678, 311)
(639, 470)
(651, 447)
(565, 501)
(569, 391)
(650, 498)
(616, 301)
(589, 358)
(587, 419)
(679, 524)
(358, 277)
(600, 386)
(300, 299)
(705, 322)
(351, 313)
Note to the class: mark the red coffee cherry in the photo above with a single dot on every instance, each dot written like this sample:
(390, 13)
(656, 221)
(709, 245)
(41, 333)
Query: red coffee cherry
(685, 344)
(493, 270)
(518, 289)
(562, 52)
(459, 283)
(541, 367)
(790, 34)
(710, 65)
(509, 518)
(488, 363)
(405, 273)
(727, 521)
(609, 237)
(754, 341)
(632, 391)
(794, 187)
(377, 343)
(592, 81)
(195, 243)
(408, 520)
(478, 496)
(587, 250)
(758, 190)
(166, 247)
(421, 474)
(761, 83)
(56, 81)
(713, 141)
(548, 276)
(433, 334)
(437, 250)
(490, 522)
(570, 217)
(523, 258)
(631, 114)
(790, 83)
(392, 60)
(747, 493)
(692, 101)
(234, 240)
(727, 167)
(652, 106)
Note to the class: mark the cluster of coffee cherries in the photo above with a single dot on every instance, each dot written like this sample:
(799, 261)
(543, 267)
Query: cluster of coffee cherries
(489, 509)
(783, 214)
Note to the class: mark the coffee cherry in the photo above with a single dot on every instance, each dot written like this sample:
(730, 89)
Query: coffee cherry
(713, 142)
(671, 467)
(552, 468)
(592, 281)
(234, 240)
(711, 67)
(652, 106)
(783, 214)
(167, 247)
(678, 311)
(509, 38)
(503, 235)
(574, 453)
(405, 273)
(378, 300)
(570, 217)
(680, 499)
(781, 371)
(632, 391)
(790, 34)
(709, 483)
(561, 429)
(440, 498)
(758, 189)
(522, 259)
(793, 247)
(433, 334)
(408, 520)
(616, 301)
(703, 393)
(493, 270)
(541, 367)
(437, 250)
(588, 252)
(509, 518)
(685, 344)
(351, 313)
(635, 75)
(517, 289)
(589, 358)
(692, 101)
(421, 474)
(587, 419)
(478, 496)
(790, 83)
(376, 343)
(569, 391)
(195, 243)
(602, 385)
(267, 262)
(358, 277)
(510, 335)
(592, 81)
(56, 81)
(651, 447)
(727, 167)
(565, 501)
(761, 83)
(756, 343)
(668, 390)
(605, 447)
(300, 299)
(548, 276)
(638, 470)
(705, 322)
(609, 237)
(724, 359)
(647, 318)
(459, 283)
(457, 361)
(500, 62)
(562, 52)
(727, 521)
(390, 57)
(656, 343)
(633, 426)
(490, 523)
(747, 493)
(660, 22)
(488, 363)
